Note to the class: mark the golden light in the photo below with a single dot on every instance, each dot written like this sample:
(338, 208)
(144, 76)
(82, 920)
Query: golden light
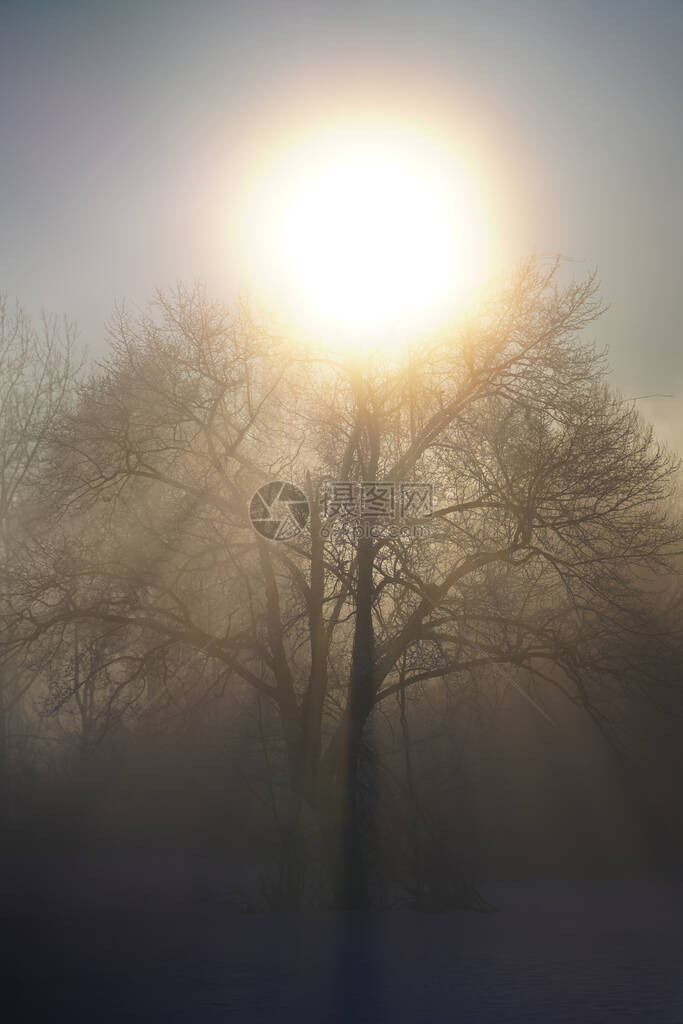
(366, 235)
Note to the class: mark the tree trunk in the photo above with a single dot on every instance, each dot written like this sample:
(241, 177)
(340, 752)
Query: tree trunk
(354, 880)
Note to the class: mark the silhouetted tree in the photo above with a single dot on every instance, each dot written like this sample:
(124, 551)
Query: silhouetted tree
(551, 500)
(38, 370)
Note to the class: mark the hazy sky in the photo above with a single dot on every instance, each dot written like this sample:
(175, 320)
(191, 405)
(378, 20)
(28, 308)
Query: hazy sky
(125, 127)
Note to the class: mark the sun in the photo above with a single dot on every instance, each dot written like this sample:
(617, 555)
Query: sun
(366, 235)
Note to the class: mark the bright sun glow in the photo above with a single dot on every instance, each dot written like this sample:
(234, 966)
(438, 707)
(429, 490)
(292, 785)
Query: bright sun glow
(366, 237)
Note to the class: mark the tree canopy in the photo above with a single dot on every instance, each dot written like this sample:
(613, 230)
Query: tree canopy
(551, 504)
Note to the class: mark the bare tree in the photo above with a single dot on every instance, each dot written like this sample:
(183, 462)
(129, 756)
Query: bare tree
(38, 369)
(552, 499)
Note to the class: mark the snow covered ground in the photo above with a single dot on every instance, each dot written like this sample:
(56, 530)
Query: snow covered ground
(156, 941)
